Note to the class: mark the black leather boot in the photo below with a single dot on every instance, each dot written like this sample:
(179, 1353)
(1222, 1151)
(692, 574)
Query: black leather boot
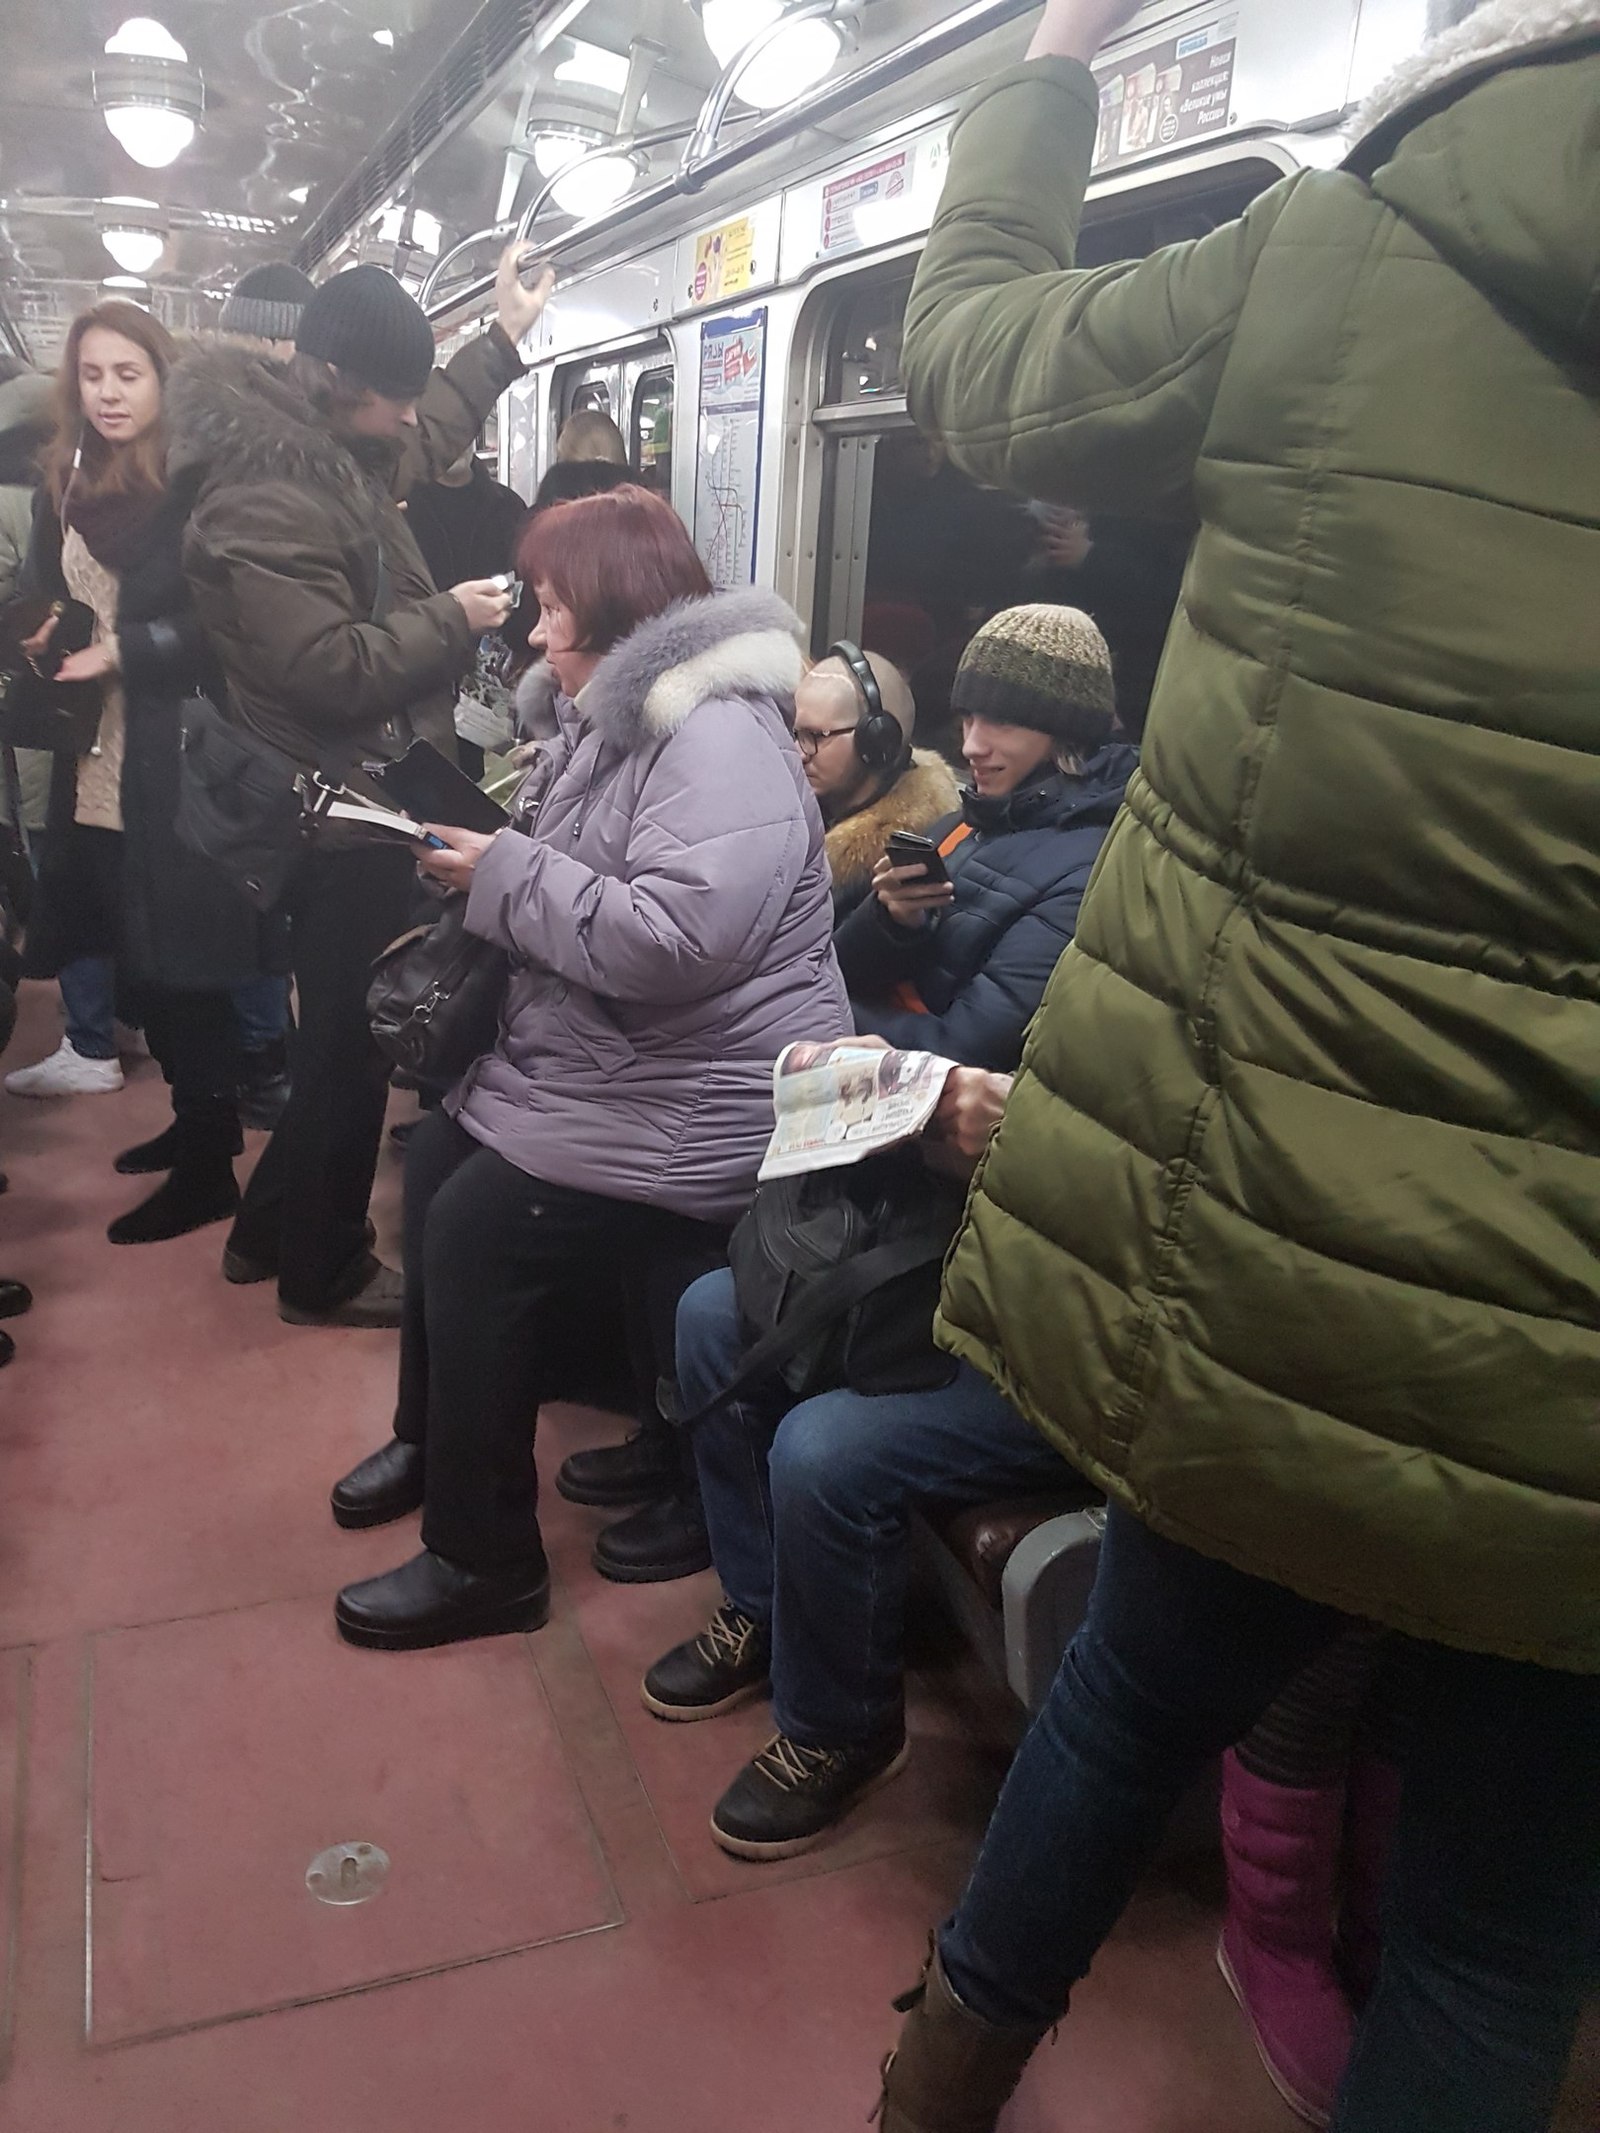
(384, 1486)
(201, 1187)
(662, 1541)
(642, 1469)
(429, 1601)
(146, 1158)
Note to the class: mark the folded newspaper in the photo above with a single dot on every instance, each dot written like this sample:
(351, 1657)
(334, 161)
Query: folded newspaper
(838, 1103)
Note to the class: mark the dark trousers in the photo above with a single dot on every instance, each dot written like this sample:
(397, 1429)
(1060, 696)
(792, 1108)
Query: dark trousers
(495, 1263)
(305, 1209)
(194, 1039)
(1491, 1914)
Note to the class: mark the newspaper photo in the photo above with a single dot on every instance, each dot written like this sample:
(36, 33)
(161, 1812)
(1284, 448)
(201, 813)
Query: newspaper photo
(837, 1103)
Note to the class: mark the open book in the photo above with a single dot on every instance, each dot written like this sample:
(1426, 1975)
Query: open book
(836, 1103)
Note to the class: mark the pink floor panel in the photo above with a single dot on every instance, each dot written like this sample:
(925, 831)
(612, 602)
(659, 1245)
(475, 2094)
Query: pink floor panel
(559, 1947)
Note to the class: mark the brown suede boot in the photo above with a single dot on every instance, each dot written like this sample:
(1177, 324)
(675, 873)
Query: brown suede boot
(951, 2072)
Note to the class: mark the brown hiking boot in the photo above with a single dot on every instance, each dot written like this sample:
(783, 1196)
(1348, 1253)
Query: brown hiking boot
(951, 2071)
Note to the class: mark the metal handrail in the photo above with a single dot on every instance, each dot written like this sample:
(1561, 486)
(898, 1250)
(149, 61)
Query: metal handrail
(639, 144)
(435, 273)
(715, 108)
(924, 48)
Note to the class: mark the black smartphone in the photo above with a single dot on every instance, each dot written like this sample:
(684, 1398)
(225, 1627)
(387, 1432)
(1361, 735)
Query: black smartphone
(429, 789)
(907, 849)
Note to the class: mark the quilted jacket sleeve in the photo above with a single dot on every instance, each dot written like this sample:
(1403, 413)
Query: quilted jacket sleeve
(455, 406)
(1095, 387)
(715, 849)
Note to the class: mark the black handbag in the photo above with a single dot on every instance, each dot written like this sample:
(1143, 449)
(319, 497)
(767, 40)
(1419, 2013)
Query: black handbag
(36, 710)
(436, 998)
(837, 1273)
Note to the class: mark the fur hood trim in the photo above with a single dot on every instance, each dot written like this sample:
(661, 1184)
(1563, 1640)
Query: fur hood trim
(730, 644)
(233, 415)
(920, 796)
(1497, 31)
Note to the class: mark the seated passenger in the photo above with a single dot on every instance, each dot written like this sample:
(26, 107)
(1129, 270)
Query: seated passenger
(666, 914)
(959, 967)
(807, 1509)
(854, 726)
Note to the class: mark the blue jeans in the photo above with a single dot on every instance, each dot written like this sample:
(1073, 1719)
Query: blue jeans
(1491, 1918)
(806, 1506)
(89, 1001)
(261, 1009)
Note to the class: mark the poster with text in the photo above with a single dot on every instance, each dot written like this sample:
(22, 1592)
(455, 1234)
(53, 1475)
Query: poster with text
(1167, 94)
(728, 474)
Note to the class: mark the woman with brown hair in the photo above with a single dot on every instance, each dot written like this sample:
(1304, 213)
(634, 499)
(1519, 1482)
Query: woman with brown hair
(663, 898)
(122, 901)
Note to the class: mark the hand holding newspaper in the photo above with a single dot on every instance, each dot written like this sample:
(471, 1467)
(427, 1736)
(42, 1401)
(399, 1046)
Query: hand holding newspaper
(838, 1103)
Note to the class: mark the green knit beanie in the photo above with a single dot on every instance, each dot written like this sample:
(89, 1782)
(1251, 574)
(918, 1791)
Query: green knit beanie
(1043, 667)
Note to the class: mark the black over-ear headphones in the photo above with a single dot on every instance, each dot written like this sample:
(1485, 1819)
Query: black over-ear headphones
(880, 744)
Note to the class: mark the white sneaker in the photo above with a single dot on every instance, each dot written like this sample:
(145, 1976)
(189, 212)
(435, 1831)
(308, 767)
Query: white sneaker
(66, 1073)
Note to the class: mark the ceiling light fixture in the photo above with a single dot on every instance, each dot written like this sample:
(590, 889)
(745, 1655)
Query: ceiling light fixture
(384, 37)
(555, 147)
(150, 97)
(792, 62)
(299, 194)
(136, 251)
(123, 281)
(596, 184)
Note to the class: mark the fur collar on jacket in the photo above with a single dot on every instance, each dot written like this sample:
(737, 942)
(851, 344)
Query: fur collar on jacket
(920, 796)
(236, 416)
(730, 644)
(1497, 31)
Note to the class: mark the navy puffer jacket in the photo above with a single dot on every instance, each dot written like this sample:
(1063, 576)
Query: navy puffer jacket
(981, 967)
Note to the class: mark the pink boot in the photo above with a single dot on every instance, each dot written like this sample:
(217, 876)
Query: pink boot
(1281, 1844)
(1372, 1808)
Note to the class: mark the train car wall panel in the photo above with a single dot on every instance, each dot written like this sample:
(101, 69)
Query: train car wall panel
(881, 197)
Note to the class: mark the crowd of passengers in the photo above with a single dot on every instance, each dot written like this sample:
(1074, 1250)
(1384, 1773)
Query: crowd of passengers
(1266, 1150)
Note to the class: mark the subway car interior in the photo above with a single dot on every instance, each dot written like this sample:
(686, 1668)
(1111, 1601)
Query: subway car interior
(253, 1878)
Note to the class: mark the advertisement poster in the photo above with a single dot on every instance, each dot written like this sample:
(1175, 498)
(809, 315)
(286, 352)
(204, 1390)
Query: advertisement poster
(728, 475)
(886, 179)
(1166, 94)
(724, 261)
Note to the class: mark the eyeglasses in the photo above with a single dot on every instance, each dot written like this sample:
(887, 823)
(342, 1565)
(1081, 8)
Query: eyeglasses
(808, 741)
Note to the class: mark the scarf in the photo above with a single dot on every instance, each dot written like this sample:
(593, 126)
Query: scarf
(113, 524)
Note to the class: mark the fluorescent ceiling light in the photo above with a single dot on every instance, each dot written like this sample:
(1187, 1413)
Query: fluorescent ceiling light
(123, 281)
(795, 60)
(135, 251)
(384, 37)
(152, 104)
(592, 67)
(586, 189)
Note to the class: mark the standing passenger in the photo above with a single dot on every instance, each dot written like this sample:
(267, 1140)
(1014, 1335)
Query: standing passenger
(337, 649)
(1289, 1235)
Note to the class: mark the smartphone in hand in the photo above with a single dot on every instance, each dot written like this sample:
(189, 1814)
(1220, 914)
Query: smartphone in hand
(906, 849)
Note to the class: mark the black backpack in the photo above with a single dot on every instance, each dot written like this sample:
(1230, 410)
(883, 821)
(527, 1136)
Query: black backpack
(837, 1277)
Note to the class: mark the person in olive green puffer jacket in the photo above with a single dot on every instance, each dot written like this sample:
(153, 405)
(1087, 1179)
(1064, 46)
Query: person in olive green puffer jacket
(1290, 1235)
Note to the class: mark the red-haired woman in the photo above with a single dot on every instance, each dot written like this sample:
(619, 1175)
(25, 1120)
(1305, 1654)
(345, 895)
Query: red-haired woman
(118, 892)
(665, 901)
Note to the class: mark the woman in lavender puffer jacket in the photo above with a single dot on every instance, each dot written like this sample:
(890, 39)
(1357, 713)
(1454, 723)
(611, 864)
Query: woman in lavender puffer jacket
(669, 920)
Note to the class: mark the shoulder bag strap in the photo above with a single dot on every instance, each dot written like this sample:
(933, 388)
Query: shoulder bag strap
(825, 1302)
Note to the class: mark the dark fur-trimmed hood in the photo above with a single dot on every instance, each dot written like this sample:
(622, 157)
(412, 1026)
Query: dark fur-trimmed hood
(919, 797)
(236, 416)
(729, 644)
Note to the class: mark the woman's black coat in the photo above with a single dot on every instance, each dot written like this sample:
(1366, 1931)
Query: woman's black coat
(181, 924)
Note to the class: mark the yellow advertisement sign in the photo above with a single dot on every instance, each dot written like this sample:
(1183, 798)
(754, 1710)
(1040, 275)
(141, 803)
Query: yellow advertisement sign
(724, 261)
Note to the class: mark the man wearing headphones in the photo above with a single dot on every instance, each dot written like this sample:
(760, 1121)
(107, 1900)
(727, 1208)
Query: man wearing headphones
(853, 721)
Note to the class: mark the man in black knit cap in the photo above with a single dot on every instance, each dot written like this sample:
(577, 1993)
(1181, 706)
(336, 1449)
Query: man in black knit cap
(266, 305)
(338, 650)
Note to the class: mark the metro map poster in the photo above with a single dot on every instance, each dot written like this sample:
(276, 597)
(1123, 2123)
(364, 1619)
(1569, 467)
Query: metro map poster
(728, 470)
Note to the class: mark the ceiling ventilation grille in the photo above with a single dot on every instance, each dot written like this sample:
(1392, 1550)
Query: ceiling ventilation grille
(488, 44)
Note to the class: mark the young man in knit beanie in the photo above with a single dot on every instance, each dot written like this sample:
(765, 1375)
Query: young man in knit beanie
(955, 961)
(807, 1504)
